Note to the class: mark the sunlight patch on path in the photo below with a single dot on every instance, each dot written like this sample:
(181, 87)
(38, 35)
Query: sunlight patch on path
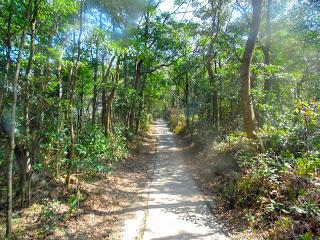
(176, 209)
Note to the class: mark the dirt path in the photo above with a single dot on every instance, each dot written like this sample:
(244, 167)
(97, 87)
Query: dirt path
(176, 209)
(108, 198)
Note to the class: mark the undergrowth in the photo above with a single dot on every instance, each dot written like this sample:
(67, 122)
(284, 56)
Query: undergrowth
(280, 188)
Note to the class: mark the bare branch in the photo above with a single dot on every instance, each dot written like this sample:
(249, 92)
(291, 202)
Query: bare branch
(244, 12)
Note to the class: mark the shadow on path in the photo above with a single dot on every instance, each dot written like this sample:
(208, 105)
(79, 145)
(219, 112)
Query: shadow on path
(176, 208)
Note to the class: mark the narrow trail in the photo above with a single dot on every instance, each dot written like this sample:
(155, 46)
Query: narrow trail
(176, 209)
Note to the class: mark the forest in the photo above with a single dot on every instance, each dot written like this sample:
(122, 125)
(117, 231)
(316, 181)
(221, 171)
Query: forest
(82, 82)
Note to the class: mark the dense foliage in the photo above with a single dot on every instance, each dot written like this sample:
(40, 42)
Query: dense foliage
(80, 80)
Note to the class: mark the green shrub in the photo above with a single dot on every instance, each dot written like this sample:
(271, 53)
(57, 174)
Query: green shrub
(177, 121)
(279, 184)
(73, 202)
(97, 152)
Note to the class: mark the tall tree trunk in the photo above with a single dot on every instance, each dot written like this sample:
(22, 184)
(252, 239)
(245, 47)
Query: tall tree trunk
(125, 85)
(102, 86)
(26, 165)
(215, 99)
(186, 95)
(216, 11)
(125, 72)
(266, 51)
(110, 98)
(60, 112)
(95, 91)
(136, 84)
(24, 160)
(60, 85)
(104, 101)
(8, 52)
(141, 106)
(249, 119)
(76, 72)
(73, 77)
(81, 110)
(107, 122)
(95, 78)
(214, 92)
(13, 121)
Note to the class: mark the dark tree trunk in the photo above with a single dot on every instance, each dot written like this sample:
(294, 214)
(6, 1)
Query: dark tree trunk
(95, 78)
(60, 117)
(249, 119)
(105, 111)
(7, 63)
(13, 120)
(216, 11)
(214, 93)
(73, 77)
(215, 99)
(135, 87)
(25, 160)
(125, 72)
(266, 50)
(186, 95)
(141, 106)
(95, 92)
(109, 101)
(126, 83)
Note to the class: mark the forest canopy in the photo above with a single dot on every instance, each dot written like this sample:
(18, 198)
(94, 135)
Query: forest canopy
(80, 80)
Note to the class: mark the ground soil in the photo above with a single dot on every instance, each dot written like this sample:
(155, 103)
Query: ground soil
(99, 215)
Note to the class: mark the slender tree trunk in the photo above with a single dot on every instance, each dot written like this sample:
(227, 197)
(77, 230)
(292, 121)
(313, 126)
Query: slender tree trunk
(102, 65)
(266, 51)
(125, 85)
(187, 110)
(215, 7)
(216, 99)
(109, 101)
(73, 77)
(105, 120)
(60, 86)
(108, 116)
(95, 91)
(125, 72)
(107, 123)
(249, 119)
(8, 52)
(70, 126)
(141, 106)
(135, 87)
(81, 110)
(60, 112)
(26, 165)
(24, 160)
(267, 47)
(13, 121)
(214, 93)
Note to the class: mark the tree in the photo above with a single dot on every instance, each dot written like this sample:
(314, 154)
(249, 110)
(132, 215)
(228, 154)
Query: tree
(8, 51)
(249, 119)
(217, 21)
(13, 117)
(82, 79)
(266, 48)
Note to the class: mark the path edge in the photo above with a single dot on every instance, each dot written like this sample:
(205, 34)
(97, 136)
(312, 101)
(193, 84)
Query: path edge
(132, 225)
